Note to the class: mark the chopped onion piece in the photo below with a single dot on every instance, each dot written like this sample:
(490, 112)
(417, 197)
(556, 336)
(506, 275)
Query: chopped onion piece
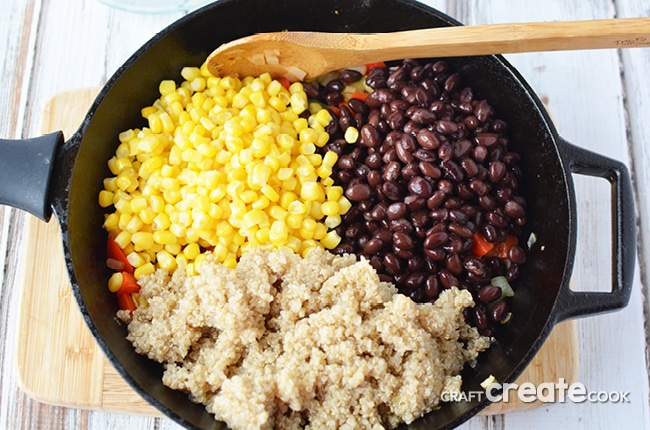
(115, 264)
(271, 57)
(531, 240)
(295, 73)
(488, 381)
(258, 59)
(502, 282)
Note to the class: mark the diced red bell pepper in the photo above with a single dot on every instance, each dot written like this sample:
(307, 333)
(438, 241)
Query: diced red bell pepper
(115, 258)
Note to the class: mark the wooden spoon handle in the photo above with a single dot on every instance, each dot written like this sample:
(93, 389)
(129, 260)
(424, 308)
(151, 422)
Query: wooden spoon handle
(501, 39)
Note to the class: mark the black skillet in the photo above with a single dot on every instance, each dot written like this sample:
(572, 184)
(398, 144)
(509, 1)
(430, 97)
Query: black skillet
(50, 174)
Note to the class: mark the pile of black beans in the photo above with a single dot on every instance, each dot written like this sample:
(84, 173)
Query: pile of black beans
(432, 166)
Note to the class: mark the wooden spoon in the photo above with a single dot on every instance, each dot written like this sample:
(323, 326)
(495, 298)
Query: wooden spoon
(300, 55)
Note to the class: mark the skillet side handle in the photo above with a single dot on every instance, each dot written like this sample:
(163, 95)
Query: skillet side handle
(25, 169)
(577, 304)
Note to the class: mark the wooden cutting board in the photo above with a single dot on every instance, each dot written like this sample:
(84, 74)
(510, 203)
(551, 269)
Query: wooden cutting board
(58, 361)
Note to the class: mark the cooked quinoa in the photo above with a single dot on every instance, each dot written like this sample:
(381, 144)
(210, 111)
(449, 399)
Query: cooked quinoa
(283, 341)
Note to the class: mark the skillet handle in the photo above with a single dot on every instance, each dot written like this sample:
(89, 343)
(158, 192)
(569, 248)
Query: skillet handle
(574, 303)
(25, 169)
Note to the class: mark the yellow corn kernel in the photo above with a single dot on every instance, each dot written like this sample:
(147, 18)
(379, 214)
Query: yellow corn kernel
(230, 262)
(320, 232)
(323, 117)
(279, 232)
(191, 251)
(331, 240)
(136, 259)
(161, 222)
(334, 193)
(327, 182)
(134, 224)
(345, 205)
(164, 237)
(105, 198)
(330, 208)
(297, 207)
(294, 221)
(332, 221)
(142, 240)
(277, 212)
(115, 282)
(330, 158)
(165, 260)
(286, 198)
(351, 135)
(270, 193)
(324, 172)
(123, 239)
(111, 221)
(312, 191)
(294, 244)
(306, 247)
(167, 87)
(138, 204)
(145, 269)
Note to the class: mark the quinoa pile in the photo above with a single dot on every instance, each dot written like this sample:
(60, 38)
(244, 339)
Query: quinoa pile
(283, 341)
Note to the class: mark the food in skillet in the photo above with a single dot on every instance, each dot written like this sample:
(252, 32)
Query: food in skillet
(351, 163)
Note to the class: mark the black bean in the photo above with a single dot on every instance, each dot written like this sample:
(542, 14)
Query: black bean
(517, 255)
(446, 126)
(392, 171)
(393, 263)
(447, 279)
(499, 311)
(479, 187)
(392, 190)
(432, 287)
(373, 246)
(489, 293)
(480, 317)
(396, 210)
(414, 203)
(452, 170)
(436, 240)
(349, 76)
(378, 212)
(487, 140)
(420, 187)
(514, 209)
(460, 230)
(429, 170)
(425, 155)
(409, 171)
(437, 198)
(496, 219)
(369, 136)
(403, 153)
(403, 240)
(452, 83)
(462, 148)
(358, 192)
(374, 161)
(454, 263)
(427, 139)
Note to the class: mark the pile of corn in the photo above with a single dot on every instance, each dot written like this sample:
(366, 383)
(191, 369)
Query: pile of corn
(224, 165)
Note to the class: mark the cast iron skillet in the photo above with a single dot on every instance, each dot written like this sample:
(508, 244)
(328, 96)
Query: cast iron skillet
(68, 176)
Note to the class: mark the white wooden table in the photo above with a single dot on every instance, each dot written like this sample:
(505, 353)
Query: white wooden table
(600, 100)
